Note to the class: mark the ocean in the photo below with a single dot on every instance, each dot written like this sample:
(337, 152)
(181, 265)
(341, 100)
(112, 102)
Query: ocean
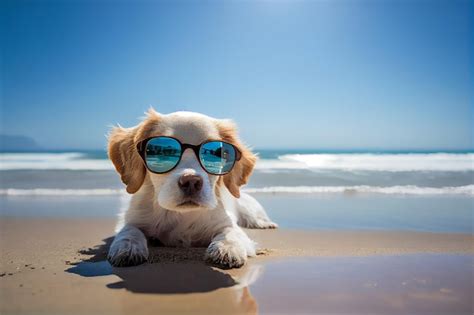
(428, 191)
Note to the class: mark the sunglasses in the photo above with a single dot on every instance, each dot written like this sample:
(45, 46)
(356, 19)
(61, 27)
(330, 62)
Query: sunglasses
(162, 154)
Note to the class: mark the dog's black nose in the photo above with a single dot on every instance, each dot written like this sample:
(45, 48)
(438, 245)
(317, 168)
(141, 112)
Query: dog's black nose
(190, 184)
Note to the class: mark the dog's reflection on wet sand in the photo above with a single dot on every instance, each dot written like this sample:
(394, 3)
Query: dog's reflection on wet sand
(175, 273)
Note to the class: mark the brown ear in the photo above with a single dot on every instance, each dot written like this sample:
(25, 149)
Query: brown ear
(243, 168)
(123, 153)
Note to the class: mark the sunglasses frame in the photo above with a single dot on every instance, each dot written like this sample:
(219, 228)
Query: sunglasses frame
(141, 148)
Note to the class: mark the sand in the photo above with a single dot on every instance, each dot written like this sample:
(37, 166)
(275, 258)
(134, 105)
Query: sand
(56, 266)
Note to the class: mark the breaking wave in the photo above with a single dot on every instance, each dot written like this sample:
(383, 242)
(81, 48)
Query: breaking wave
(373, 162)
(359, 189)
(52, 161)
(391, 190)
(455, 162)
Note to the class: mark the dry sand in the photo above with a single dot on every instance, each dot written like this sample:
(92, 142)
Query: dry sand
(56, 266)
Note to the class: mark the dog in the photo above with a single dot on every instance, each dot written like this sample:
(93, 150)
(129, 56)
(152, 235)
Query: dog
(186, 206)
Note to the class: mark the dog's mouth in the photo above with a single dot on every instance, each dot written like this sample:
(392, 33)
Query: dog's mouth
(189, 204)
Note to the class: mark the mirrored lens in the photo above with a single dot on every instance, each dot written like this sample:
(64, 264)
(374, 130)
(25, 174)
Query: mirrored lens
(217, 157)
(162, 154)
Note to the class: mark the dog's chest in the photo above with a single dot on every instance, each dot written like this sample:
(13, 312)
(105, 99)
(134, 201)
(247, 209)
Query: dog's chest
(181, 230)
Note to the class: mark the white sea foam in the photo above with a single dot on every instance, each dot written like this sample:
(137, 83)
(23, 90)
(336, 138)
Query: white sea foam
(373, 162)
(390, 190)
(61, 192)
(359, 189)
(52, 161)
(347, 162)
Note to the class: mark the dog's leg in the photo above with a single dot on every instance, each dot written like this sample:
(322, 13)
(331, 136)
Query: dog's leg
(252, 215)
(129, 248)
(230, 248)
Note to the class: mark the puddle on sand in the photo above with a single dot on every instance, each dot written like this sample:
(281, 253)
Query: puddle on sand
(408, 284)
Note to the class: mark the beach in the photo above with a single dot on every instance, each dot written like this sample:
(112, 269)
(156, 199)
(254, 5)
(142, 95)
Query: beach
(57, 266)
(351, 246)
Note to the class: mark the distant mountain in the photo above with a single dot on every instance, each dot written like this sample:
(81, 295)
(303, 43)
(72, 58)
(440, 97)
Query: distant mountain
(17, 143)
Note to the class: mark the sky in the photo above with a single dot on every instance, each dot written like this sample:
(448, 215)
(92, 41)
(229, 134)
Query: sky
(292, 74)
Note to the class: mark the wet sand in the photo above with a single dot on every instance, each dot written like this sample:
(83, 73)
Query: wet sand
(57, 266)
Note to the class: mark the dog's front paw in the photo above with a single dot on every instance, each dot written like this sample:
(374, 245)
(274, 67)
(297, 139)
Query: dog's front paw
(226, 255)
(126, 252)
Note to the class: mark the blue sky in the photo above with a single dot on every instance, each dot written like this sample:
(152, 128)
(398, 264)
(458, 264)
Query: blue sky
(299, 74)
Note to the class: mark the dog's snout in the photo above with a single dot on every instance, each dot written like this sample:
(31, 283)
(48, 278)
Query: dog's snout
(190, 184)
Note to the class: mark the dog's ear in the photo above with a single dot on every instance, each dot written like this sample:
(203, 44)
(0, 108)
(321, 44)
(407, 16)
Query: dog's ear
(243, 168)
(123, 153)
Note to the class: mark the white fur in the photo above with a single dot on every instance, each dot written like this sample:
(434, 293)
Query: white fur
(155, 212)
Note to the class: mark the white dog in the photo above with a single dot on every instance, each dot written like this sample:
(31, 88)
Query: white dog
(186, 206)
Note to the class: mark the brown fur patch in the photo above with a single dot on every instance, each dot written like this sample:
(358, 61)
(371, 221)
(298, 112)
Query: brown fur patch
(150, 127)
(123, 153)
(243, 168)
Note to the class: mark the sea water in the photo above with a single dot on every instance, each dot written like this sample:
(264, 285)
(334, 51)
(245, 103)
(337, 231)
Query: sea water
(428, 191)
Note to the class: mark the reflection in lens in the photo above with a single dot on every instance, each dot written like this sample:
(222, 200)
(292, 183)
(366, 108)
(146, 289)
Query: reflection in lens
(162, 154)
(217, 157)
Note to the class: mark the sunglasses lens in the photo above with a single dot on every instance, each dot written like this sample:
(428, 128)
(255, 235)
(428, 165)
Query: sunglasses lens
(162, 154)
(217, 157)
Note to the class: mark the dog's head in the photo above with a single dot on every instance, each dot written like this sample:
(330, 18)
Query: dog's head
(188, 186)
